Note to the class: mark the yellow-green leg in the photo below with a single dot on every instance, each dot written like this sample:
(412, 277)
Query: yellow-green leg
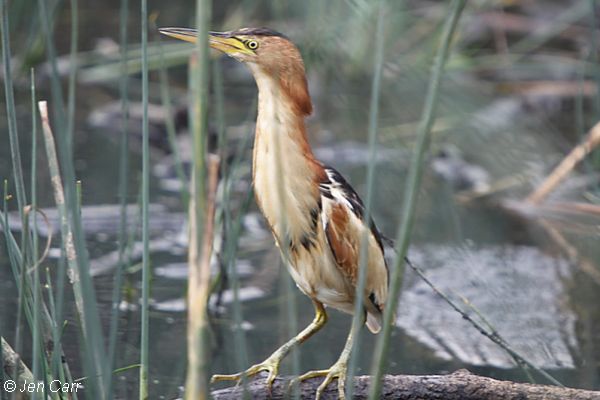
(271, 364)
(337, 370)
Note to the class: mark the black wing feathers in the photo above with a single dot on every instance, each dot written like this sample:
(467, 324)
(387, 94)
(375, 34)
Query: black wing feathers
(333, 177)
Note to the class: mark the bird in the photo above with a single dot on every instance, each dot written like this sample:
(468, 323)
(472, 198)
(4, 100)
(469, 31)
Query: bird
(315, 216)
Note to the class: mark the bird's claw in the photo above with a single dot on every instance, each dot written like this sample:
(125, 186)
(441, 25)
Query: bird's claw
(337, 371)
(271, 365)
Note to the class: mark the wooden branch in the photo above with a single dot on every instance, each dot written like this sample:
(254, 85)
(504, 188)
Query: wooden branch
(13, 365)
(460, 385)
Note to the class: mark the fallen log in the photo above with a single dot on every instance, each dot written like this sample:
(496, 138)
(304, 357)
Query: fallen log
(460, 385)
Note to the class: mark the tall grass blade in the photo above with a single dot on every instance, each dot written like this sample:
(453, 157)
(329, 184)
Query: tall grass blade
(123, 189)
(358, 318)
(55, 84)
(10, 107)
(146, 273)
(165, 94)
(17, 170)
(196, 386)
(411, 193)
(37, 352)
(72, 71)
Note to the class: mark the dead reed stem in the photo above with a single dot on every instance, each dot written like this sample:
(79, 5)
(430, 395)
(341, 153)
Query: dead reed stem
(567, 165)
(199, 287)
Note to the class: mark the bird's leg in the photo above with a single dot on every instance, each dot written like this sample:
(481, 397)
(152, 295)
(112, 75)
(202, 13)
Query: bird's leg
(337, 370)
(271, 364)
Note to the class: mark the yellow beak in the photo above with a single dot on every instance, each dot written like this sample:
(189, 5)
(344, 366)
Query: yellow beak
(222, 41)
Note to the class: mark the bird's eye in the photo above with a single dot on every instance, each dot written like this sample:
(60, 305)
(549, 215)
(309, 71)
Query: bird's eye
(252, 44)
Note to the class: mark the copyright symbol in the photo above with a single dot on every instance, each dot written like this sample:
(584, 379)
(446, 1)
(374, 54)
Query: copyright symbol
(10, 386)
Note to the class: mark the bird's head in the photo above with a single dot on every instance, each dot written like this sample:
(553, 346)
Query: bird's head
(270, 55)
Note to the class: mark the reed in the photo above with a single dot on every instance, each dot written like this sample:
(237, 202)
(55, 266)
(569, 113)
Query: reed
(124, 168)
(200, 242)
(358, 318)
(146, 271)
(411, 193)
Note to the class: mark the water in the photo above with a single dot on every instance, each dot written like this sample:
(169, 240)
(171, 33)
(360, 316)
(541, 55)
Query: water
(483, 136)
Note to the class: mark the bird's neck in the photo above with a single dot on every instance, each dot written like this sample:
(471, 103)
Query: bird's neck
(285, 171)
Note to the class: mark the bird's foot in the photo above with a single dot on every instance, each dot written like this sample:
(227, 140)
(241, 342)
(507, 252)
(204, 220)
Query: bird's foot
(271, 365)
(337, 371)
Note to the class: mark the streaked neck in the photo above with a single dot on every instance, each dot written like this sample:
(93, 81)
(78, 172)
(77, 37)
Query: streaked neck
(283, 157)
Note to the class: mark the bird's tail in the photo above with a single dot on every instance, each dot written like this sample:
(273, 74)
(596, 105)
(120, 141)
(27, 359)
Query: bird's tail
(374, 321)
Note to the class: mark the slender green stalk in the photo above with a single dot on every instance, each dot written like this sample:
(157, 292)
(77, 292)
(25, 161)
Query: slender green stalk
(488, 332)
(56, 302)
(56, 88)
(146, 273)
(241, 353)
(10, 108)
(2, 363)
(358, 318)
(22, 299)
(37, 352)
(411, 194)
(196, 386)
(165, 94)
(72, 71)
(491, 329)
(231, 231)
(219, 103)
(2, 355)
(16, 164)
(123, 189)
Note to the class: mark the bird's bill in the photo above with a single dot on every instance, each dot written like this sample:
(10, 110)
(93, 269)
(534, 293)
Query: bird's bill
(222, 41)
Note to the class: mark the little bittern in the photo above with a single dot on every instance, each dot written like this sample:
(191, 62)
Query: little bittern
(317, 219)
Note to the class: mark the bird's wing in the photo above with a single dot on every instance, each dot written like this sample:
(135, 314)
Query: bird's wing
(342, 217)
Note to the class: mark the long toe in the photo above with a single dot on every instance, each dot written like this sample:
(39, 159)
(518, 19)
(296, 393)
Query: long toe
(341, 378)
(271, 365)
(337, 371)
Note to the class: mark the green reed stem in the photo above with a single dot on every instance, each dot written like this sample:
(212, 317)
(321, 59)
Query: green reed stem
(72, 71)
(231, 231)
(489, 332)
(241, 353)
(146, 273)
(196, 386)
(10, 108)
(37, 352)
(85, 296)
(358, 318)
(123, 189)
(411, 193)
(17, 169)
(165, 94)
(55, 84)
